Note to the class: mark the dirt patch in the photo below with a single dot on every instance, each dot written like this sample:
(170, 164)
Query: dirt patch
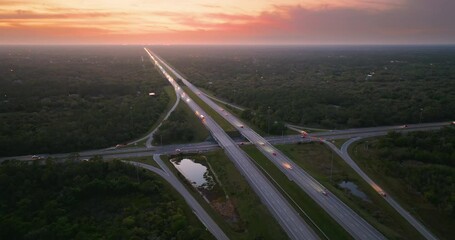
(226, 208)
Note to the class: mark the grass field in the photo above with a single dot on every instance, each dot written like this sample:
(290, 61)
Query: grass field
(257, 222)
(316, 159)
(438, 223)
(300, 199)
(198, 130)
(227, 127)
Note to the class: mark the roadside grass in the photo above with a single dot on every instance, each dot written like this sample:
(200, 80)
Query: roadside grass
(257, 221)
(146, 160)
(329, 226)
(316, 158)
(169, 90)
(188, 212)
(237, 113)
(227, 127)
(366, 157)
(200, 133)
(339, 142)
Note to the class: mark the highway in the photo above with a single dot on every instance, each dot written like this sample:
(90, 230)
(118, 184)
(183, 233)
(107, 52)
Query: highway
(345, 156)
(355, 225)
(110, 153)
(358, 132)
(198, 210)
(283, 212)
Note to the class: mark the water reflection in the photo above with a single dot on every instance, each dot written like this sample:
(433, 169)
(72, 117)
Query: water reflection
(195, 173)
(354, 189)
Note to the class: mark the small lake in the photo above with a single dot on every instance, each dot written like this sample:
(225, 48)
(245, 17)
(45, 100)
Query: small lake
(354, 189)
(196, 173)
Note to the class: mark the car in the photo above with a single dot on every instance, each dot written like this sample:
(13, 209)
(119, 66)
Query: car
(120, 145)
(383, 193)
(241, 126)
(287, 166)
(225, 114)
(452, 123)
(274, 153)
(242, 143)
(35, 157)
(404, 126)
(178, 150)
(324, 192)
(262, 144)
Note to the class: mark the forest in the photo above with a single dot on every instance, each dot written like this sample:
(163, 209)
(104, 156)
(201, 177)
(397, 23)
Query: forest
(425, 160)
(90, 200)
(330, 87)
(72, 98)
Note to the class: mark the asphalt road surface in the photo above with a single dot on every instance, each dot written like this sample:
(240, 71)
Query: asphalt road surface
(345, 156)
(345, 216)
(283, 212)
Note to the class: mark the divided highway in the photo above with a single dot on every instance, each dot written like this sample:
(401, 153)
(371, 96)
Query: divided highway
(111, 153)
(283, 212)
(345, 216)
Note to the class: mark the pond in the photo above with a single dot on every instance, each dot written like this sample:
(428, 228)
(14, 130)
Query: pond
(354, 189)
(196, 173)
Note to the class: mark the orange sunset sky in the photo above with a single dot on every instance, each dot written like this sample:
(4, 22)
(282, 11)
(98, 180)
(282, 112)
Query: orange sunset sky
(227, 22)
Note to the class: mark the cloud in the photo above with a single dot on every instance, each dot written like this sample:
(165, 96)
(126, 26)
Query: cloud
(407, 21)
(26, 14)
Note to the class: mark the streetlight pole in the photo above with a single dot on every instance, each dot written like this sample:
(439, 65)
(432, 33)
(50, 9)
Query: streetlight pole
(421, 111)
(268, 121)
(331, 164)
(331, 167)
(131, 115)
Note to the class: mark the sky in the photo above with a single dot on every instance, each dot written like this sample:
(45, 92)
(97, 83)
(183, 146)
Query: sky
(227, 22)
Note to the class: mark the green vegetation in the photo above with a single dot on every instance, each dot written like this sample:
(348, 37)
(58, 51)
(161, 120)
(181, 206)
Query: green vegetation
(325, 87)
(227, 127)
(299, 197)
(417, 169)
(91, 200)
(255, 221)
(339, 142)
(146, 160)
(316, 159)
(65, 99)
(182, 126)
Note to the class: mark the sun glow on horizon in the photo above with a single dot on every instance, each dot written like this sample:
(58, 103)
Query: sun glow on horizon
(195, 21)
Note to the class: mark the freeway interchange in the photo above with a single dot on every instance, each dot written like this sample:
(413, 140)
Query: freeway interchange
(285, 214)
(345, 216)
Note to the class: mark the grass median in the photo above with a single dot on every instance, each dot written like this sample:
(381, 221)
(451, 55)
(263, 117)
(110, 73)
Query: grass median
(256, 220)
(227, 127)
(299, 198)
(316, 159)
(366, 155)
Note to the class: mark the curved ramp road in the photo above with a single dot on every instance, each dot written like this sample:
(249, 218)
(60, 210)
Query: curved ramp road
(283, 212)
(345, 216)
(345, 156)
(198, 210)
